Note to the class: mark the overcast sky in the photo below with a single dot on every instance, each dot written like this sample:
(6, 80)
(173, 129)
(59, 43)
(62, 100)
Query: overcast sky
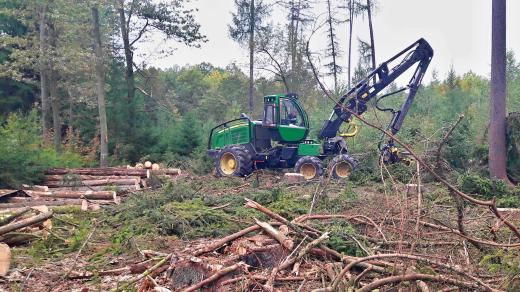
(458, 30)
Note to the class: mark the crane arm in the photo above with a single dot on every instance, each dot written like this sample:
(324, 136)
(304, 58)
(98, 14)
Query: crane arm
(356, 98)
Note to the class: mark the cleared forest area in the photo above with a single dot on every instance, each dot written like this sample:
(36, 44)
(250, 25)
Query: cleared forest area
(307, 163)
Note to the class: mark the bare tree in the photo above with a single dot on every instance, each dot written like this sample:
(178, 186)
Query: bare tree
(100, 88)
(248, 21)
(371, 29)
(333, 46)
(497, 117)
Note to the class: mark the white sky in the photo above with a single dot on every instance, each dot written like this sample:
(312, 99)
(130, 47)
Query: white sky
(458, 30)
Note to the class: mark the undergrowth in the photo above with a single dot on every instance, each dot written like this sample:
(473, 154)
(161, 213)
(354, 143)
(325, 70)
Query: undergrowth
(490, 188)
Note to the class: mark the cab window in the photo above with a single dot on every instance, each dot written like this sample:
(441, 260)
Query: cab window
(290, 114)
(269, 114)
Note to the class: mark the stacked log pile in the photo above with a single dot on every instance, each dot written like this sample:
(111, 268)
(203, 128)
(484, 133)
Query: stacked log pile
(89, 188)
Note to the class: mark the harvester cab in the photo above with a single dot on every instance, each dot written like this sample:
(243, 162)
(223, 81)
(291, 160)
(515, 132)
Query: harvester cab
(280, 138)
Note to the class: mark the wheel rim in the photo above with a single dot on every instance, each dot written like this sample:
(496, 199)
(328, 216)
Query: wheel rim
(228, 163)
(308, 170)
(342, 169)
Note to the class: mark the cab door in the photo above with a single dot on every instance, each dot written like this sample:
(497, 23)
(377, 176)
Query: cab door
(293, 126)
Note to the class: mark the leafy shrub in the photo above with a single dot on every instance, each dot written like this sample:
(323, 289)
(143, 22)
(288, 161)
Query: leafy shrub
(23, 156)
(490, 188)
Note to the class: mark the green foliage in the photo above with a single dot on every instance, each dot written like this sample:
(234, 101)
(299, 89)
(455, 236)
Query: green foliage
(475, 184)
(192, 219)
(22, 155)
(501, 261)
(490, 188)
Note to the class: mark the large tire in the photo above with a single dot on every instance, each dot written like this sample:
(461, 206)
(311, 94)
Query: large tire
(309, 166)
(341, 166)
(234, 161)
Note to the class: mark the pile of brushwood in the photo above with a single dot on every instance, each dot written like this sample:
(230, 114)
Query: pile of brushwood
(262, 234)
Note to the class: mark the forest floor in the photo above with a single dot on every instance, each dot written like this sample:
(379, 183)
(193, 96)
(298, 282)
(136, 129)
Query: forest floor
(110, 248)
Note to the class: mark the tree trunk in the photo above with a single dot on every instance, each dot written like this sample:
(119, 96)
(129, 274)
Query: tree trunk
(44, 82)
(371, 29)
(55, 104)
(53, 90)
(497, 117)
(129, 74)
(332, 47)
(100, 88)
(251, 54)
(26, 222)
(351, 24)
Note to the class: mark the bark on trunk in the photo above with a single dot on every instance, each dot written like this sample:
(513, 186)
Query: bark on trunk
(44, 82)
(129, 73)
(97, 182)
(26, 222)
(100, 89)
(55, 103)
(56, 177)
(251, 55)
(93, 195)
(371, 29)
(53, 88)
(497, 126)
(112, 171)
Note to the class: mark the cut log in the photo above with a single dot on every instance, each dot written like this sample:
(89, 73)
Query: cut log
(280, 237)
(10, 217)
(80, 177)
(96, 182)
(155, 166)
(117, 171)
(147, 164)
(26, 222)
(49, 202)
(18, 238)
(294, 177)
(94, 195)
(96, 189)
(5, 259)
(36, 188)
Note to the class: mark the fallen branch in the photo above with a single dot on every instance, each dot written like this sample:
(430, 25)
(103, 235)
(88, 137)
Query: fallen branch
(75, 261)
(10, 218)
(26, 222)
(215, 276)
(223, 241)
(289, 261)
(414, 277)
(146, 273)
(346, 270)
(286, 242)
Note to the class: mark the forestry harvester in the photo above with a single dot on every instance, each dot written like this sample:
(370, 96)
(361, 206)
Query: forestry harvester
(279, 139)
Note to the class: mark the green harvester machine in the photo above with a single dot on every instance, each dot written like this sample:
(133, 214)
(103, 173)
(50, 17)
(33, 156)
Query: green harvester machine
(280, 138)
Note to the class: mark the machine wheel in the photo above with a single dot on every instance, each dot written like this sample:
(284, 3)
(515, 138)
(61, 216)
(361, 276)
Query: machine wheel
(234, 161)
(341, 166)
(309, 166)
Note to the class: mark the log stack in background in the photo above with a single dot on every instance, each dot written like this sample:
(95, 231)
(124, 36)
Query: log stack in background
(88, 188)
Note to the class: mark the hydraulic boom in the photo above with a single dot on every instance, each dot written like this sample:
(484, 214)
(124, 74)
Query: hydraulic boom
(356, 98)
